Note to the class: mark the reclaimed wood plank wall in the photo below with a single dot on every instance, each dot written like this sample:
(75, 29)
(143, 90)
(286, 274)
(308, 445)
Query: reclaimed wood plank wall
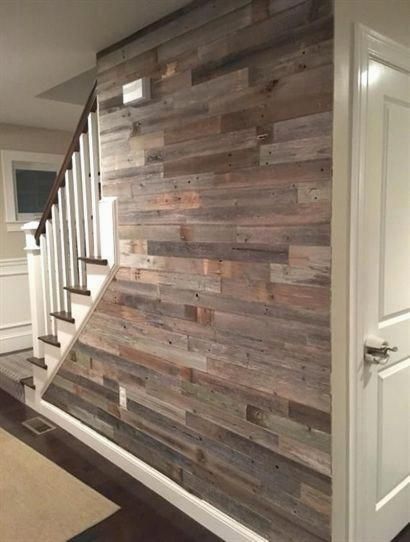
(217, 323)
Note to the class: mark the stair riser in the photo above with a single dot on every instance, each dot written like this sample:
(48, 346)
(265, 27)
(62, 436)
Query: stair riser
(40, 377)
(96, 276)
(30, 396)
(52, 357)
(80, 306)
(66, 331)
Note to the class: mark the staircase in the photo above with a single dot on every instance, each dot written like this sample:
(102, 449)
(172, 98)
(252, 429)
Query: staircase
(71, 253)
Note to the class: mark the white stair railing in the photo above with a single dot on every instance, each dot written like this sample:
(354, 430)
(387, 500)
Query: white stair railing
(65, 263)
(95, 180)
(68, 264)
(72, 243)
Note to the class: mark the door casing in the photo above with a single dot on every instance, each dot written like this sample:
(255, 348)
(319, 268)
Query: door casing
(369, 45)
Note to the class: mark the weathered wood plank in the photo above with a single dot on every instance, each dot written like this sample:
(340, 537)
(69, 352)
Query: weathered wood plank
(150, 180)
(303, 127)
(162, 33)
(312, 148)
(263, 381)
(308, 265)
(204, 145)
(217, 322)
(212, 30)
(257, 36)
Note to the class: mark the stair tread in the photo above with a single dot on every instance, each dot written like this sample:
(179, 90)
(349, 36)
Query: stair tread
(50, 339)
(63, 315)
(82, 290)
(28, 381)
(95, 261)
(39, 362)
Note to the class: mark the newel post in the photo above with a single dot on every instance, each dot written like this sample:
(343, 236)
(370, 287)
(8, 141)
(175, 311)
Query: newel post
(35, 286)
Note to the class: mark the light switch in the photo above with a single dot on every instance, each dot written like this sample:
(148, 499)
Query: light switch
(123, 397)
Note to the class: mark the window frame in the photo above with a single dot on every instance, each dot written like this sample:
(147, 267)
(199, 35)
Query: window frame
(29, 160)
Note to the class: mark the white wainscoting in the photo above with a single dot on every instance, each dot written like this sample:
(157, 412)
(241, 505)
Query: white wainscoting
(15, 315)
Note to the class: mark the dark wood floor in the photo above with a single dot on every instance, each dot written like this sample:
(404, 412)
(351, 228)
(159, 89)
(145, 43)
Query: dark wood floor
(404, 536)
(144, 516)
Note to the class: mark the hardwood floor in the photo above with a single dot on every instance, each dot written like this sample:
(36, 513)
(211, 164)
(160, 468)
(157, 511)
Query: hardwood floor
(144, 516)
(404, 535)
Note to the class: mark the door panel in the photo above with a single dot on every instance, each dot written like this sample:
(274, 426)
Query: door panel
(385, 265)
(395, 213)
(393, 410)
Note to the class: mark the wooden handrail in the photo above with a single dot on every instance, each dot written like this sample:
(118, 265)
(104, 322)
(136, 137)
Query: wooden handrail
(82, 127)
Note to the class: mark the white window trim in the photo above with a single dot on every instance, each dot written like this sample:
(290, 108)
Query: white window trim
(7, 160)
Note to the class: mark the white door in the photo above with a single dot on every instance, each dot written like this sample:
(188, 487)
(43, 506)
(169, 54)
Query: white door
(384, 443)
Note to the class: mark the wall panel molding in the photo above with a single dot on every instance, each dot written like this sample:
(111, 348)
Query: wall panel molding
(15, 327)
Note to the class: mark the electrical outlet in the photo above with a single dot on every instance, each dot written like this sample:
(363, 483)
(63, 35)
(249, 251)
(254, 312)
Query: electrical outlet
(123, 397)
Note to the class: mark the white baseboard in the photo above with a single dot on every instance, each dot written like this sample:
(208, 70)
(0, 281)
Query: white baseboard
(204, 513)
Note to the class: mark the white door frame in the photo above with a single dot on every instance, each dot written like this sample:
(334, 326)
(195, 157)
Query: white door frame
(368, 46)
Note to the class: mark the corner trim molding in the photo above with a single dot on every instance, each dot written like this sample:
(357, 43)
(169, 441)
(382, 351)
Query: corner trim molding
(204, 513)
(368, 45)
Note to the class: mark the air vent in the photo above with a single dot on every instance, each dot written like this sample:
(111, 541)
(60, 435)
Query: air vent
(38, 425)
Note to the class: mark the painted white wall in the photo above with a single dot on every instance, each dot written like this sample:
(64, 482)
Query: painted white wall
(22, 138)
(15, 317)
(391, 18)
(15, 320)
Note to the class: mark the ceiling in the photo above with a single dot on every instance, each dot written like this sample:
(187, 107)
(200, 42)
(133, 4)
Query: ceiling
(48, 49)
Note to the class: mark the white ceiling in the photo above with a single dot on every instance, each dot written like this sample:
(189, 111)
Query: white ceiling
(44, 43)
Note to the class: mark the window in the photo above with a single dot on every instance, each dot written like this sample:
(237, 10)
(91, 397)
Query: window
(27, 179)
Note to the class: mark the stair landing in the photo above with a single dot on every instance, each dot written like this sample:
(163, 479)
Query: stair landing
(13, 368)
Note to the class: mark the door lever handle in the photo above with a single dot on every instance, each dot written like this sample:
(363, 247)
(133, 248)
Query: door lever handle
(390, 349)
(376, 350)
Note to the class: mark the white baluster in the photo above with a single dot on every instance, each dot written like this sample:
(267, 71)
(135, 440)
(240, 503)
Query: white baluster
(79, 217)
(51, 274)
(95, 180)
(45, 283)
(64, 247)
(72, 240)
(86, 182)
(55, 223)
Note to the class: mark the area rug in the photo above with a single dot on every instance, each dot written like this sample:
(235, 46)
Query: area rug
(39, 501)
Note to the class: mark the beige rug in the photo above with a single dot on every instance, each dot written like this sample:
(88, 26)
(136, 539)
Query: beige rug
(39, 501)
